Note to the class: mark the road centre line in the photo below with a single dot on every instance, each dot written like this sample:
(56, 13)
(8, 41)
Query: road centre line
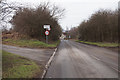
(115, 69)
(103, 61)
(95, 58)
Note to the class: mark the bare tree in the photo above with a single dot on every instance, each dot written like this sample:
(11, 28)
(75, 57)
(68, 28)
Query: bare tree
(102, 26)
(30, 21)
(74, 32)
(57, 13)
(6, 12)
(54, 11)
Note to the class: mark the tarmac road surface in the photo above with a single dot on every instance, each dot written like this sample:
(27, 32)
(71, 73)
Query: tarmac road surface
(41, 56)
(77, 60)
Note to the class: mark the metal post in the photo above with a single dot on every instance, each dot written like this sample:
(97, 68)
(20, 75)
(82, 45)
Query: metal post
(46, 39)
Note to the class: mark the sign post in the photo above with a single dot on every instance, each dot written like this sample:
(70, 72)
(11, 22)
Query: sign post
(47, 27)
(46, 33)
(46, 39)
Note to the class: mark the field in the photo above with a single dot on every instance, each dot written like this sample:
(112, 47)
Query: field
(29, 43)
(101, 44)
(15, 66)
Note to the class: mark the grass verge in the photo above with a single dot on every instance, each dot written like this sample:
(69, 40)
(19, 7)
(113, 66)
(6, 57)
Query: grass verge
(101, 44)
(29, 43)
(15, 66)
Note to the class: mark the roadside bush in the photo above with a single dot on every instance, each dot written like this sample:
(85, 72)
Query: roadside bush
(30, 21)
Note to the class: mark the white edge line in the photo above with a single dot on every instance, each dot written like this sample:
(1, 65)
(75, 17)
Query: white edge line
(102, 61)
(115, 69)
(48, 64)
(96, 58)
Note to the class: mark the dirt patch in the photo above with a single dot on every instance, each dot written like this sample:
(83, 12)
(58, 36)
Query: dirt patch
(24, 58)
(13, 35)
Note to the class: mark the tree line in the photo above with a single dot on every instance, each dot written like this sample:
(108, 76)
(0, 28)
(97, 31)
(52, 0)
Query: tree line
(30, 21)
(102, 26)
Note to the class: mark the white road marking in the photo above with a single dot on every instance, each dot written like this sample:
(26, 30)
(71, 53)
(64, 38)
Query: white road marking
(96, 58)
(48, 64)
(115, 69)
(103, 61)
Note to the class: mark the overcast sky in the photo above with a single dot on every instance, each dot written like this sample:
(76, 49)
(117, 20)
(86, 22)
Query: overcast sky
(76, 10)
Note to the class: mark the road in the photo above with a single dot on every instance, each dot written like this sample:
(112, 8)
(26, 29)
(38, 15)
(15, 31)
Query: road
(77, 60)
(41, 56)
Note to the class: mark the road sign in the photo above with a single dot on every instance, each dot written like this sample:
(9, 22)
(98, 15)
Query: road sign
(46, 32)
(47, 27)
